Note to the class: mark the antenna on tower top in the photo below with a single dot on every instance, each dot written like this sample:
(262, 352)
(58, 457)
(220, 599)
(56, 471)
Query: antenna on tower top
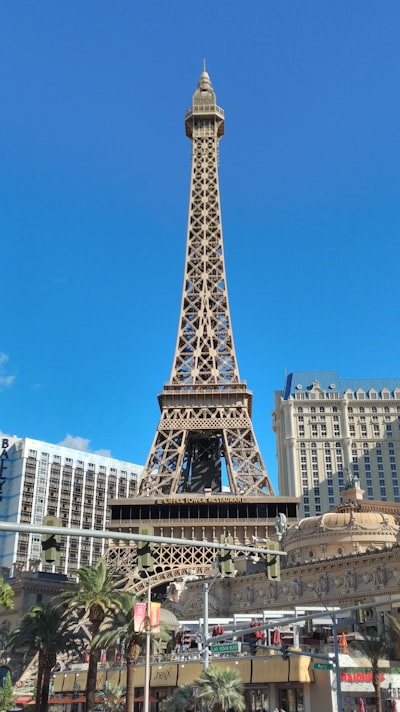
(204, 65)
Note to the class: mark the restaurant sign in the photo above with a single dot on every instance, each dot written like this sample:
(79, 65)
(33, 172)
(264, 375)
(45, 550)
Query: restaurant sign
(359, 676)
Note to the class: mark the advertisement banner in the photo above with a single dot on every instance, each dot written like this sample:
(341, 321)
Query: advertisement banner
(139, 617)
(155, 617)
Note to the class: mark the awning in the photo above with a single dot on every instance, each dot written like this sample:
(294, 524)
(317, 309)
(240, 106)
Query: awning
(273, 669)
(64, 682)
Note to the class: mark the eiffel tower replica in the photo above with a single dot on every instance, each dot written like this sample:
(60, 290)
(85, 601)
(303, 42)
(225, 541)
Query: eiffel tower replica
(205, 434)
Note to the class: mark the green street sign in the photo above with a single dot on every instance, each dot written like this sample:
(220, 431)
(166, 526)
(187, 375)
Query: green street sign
(322, 666)
(225, 648)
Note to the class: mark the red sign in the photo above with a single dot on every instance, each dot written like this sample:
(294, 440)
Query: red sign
(359, 676)
(139, 617)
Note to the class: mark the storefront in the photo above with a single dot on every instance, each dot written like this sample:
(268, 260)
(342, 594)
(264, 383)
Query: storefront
(357, 684)
(269, 681)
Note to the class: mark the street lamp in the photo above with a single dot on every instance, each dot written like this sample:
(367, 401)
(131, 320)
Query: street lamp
(206, 589)
(147, 657)
(333, 617)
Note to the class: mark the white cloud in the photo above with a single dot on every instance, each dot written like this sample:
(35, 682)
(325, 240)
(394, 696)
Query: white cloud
(76, 443)
(5, 381)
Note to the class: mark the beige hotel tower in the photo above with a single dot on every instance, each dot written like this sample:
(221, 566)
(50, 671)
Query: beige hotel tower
(331, 429)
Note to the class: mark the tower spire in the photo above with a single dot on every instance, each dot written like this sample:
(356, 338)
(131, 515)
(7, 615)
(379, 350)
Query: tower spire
(205, 407)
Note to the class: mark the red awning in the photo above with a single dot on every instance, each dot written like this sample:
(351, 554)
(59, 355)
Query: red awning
(23, 699)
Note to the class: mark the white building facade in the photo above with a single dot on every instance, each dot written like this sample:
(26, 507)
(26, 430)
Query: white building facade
(39, 479)
(329, 429)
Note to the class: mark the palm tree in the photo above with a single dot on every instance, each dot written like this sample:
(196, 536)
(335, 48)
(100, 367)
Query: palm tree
(112, 699)
(7, 693)
(95, 594)
(374, 647)
(45, 631)
(181, 701)
(6, 595)
(394, 633)
(119, 624)
(221, 689)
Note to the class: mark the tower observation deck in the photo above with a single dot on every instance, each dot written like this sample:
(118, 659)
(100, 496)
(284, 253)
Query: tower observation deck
(204, 438)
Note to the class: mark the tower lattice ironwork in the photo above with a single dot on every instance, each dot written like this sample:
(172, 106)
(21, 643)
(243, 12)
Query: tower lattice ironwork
(205, 407)
(205, 435)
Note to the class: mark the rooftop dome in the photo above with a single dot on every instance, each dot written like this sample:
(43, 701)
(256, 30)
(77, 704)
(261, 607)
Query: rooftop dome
(344, 519)
(341, 532)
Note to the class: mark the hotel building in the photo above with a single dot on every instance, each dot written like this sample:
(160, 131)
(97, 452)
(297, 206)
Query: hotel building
(329, 429)
(39, 479)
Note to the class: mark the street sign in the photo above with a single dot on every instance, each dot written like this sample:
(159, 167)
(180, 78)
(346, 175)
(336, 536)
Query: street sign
(225, 648)
(322, 666)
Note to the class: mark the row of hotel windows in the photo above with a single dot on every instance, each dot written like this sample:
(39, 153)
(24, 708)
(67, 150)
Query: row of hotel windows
(358, 395)
(75, 557)
(78, 464)
(80, 480)
(320, 430)
(340, 472)
(350, 409)
(380, 471)
(338, 455)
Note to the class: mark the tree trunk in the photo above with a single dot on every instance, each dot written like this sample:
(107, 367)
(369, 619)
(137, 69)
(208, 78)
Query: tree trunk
(92, 679)
(376, 681)
(49, 661)
(39, 680)
(131, 656)
(96, 615)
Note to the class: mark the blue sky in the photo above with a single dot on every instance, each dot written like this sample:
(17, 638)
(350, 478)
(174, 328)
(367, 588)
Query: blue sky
(94, 185)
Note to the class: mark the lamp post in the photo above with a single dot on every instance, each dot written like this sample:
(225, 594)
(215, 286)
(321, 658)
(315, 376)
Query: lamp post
(147, 657)
(332, 616)
(337, 668)
(206, 589)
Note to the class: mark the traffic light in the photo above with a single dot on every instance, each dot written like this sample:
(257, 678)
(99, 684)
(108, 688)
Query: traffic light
(187, 639)
(51, 543)
(256, 638)
(253, 644)
(360, 613)
(226, 565)
(285, 651)
(145, 561)
(217, 630)
(308, 626)
(273, 561)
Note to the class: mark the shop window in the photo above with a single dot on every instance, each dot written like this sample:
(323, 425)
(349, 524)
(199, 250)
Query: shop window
(291, 699)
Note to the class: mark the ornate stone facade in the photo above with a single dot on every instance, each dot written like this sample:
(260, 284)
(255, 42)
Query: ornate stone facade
(345, 557)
